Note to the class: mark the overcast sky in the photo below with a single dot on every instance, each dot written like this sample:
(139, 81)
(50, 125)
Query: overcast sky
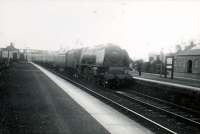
(140, 27)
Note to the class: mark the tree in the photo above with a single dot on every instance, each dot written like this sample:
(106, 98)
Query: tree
(191, 45)
(178, 48)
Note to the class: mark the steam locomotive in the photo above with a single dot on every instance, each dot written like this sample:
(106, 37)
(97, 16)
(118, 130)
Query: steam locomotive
(106, 65)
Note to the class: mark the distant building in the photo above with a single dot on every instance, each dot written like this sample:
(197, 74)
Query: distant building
(10, 52)
(13, 54)
(188, 62)
(154, 57)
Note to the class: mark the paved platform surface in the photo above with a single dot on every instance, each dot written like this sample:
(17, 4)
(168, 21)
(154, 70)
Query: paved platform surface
(37, 101)
(32, 103)
(177, 80)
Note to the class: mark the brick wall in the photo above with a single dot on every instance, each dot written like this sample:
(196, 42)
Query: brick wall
(181, 62)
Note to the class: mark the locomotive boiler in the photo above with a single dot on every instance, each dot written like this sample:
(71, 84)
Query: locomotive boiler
(107, 65)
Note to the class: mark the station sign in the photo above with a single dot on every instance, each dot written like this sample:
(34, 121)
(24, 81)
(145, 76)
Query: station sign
(169, 67)
(169, 60)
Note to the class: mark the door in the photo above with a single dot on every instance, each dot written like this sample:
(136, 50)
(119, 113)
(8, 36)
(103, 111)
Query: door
(15, 56)
(189, 66)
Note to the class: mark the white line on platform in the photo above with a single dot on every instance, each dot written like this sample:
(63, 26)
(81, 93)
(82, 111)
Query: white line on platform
(187, 78)
(114, 121)
(168, 83)
(179, 77)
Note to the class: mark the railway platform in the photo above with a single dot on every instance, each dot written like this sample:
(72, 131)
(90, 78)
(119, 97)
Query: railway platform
(177, 81)
(37, 101)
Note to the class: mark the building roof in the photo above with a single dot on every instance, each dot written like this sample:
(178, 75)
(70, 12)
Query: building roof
(10, 48)
(196, 47)
(190, 52)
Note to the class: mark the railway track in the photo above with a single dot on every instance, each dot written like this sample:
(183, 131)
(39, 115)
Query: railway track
(183, 120)
(187, 114)
(159, 116)
(122, 105)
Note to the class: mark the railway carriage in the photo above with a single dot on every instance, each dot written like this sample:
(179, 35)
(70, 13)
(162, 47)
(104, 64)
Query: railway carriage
(72, 62)
(59, 61)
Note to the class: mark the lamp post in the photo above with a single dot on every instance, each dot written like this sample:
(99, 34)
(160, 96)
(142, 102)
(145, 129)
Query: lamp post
(162, 59)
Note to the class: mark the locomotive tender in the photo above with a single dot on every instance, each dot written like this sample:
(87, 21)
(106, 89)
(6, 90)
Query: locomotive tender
(107, 65)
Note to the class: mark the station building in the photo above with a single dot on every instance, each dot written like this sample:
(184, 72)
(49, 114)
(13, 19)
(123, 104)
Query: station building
(187, 63)
(10, 52)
